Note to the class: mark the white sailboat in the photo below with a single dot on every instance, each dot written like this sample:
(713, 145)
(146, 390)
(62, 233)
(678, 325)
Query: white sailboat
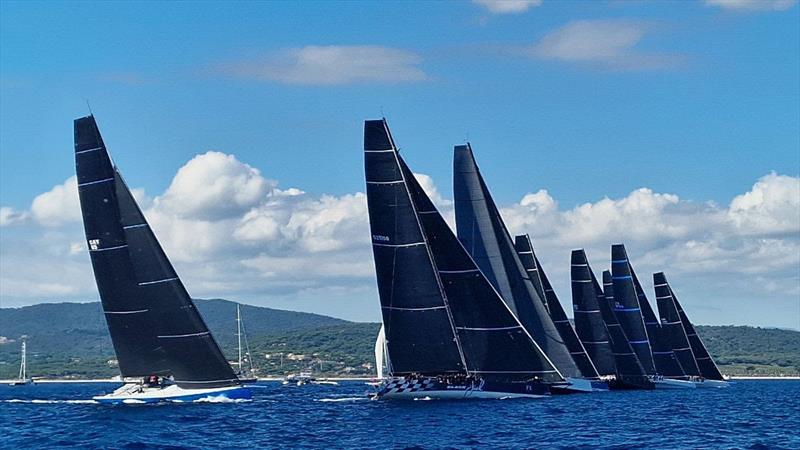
(23, 378)
(248, 375)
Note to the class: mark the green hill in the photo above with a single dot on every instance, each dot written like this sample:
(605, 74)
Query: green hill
(71, 340)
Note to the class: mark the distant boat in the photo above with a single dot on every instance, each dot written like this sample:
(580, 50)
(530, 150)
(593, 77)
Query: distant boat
(382, 363)
(248, 375)
(482, 231)
(23, 378)
(686, 344)
(299, 379)
(449, 334)
(164, 348)
(631, 307)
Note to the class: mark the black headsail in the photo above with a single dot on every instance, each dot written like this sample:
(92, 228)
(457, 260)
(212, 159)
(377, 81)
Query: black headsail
(664, 358)
(483, 233)
(629, 368)
(673, 327)
(545, 290)
(589, 324)
(155, 327)
(708, 369)
(485, 338)
(627, 308)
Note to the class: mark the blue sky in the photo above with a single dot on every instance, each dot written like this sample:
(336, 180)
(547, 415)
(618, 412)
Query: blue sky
(587, 100)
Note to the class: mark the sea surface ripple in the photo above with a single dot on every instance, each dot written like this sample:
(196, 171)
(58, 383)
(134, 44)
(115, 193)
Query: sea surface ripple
(747, 415)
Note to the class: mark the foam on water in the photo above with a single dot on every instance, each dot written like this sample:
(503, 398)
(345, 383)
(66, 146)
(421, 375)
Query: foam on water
(344, 399)
(221, 399)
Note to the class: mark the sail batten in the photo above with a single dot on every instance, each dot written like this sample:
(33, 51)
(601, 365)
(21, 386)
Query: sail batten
(131, 271)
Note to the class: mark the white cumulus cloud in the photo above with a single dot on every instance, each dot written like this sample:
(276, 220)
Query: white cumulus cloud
(772, 206)
(58, 205)
(233, 233)
(332, 65)
(214, 185)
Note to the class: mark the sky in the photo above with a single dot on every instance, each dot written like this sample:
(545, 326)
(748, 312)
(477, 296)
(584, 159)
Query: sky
(673, 127)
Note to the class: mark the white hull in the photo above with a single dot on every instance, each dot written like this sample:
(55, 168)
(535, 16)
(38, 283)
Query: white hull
(134, 393)
(711, 384)
(666, 383)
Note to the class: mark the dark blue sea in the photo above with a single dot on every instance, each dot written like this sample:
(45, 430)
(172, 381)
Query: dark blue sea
(747, 415)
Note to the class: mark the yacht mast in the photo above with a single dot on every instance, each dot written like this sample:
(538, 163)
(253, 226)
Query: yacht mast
(23, 366)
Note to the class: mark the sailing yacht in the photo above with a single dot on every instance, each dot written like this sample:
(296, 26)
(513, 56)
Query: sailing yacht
(683, 338)
(577, 350)
(23, 378)
(244, 375)
(482, 231)
(164, 348)
(640, 326)
(599, 330)
(448, 332)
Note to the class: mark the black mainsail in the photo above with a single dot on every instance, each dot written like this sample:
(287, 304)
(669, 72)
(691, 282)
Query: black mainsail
(482, 232)
(440, 313)
(629, 369)
(154, 326)
(664, 358)
(538, 277)
(627, 308)
(708, 368)
(672, 326)
(589, 324)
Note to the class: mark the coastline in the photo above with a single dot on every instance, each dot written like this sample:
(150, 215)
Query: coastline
(116, 380)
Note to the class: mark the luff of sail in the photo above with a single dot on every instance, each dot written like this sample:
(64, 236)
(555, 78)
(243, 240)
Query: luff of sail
(664, 358)
(629, 368)
(673, 326)
(154, 325)
(708, 368)
(589, 324)
(537, 276)
(485, 334)
(482, 232)
(627, 308)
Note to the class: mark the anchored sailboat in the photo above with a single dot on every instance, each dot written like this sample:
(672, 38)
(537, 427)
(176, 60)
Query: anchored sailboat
(448, 332)
(482, 232)
(628, 307)
(688, 347)
(541, 283)
(630, 374)
(245, 375)
(23, 378)
(158, 335)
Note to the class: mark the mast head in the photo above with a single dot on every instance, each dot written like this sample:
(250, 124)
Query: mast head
(376, 135)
